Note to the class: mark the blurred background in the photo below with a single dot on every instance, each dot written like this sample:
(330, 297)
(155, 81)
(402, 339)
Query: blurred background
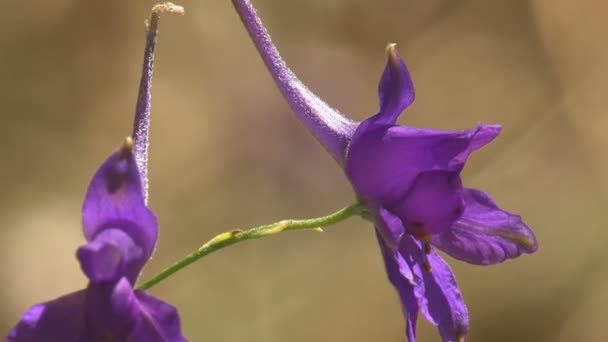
(228, 153)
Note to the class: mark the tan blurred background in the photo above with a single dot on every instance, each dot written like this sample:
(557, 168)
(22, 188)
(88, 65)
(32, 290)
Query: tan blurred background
(227, 153)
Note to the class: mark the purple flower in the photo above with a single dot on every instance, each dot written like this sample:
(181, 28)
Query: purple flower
(121, 233)
(409, 180)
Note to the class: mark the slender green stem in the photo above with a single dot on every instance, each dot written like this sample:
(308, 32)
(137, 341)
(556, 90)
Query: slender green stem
(229, 238)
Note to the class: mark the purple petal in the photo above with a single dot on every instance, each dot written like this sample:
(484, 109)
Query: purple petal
(446, 305)
(59, 320)
(390, 228)
(433, 203)
(396, 89)
(110, 256)
(486, 234)
(331, 128)
(438, 295)
(133, 315)
(117, 310)
(159, 321)
(114, 200)
(400, 276)
(383, 161)
(112, 309)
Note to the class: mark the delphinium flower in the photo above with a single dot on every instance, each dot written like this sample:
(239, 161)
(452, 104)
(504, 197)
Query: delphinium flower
(121, 233)
(409, 181)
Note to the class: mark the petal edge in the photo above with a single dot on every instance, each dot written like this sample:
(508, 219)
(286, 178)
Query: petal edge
(486, 234)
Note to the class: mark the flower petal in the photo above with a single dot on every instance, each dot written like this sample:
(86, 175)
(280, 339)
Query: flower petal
(160, 321)
(110, 256)
(114, 200)
(390, 228)
(400, 276)
(446, 305)
(437, 293)
(118, 311)
(112, 310)
(433, 203)
(486, 234)
(332, 129)
(383, 161)
(59, 320)
(396, 89)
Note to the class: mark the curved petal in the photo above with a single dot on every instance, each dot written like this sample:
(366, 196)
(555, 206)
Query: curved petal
(110, 256)
(400, 276)
(115, 200)
(437, 293)
(59, 320)
(383, 161)
(486, 234)
(396, 89)
(446, 305)
(159, 321)
(390, 228)
(331, 128)
(433, 203)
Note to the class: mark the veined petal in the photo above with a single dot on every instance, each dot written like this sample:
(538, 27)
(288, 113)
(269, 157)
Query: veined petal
(114, 200)
(437, 293)
(159, 321)
(61, 319)
(332, 129)
(396, 89)
(400, 276)
(486, 234)
(110, 256)
(383, 161)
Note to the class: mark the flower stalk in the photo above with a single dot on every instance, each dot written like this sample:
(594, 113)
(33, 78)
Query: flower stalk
(235, 236)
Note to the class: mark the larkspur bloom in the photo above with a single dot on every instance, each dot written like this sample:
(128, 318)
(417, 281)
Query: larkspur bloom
(409, 180)
(121, 234)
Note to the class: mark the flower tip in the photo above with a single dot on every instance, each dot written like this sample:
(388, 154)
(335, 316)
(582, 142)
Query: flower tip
(167, 7)
(126, 147)
(393, 55)
(128, 144)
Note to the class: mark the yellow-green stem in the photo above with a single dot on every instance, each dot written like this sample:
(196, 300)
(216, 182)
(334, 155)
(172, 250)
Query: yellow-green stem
(229, 238)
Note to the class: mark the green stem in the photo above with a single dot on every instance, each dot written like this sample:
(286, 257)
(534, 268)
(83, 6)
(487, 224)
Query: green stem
(229, 238)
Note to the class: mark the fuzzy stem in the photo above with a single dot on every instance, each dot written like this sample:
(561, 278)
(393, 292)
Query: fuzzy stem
(141, 124)
(332, 129)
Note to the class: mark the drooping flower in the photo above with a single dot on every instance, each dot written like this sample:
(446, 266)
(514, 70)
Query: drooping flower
(409, 180)
(121, 233)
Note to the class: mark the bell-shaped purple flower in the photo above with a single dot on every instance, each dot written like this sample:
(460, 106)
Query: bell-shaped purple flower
(409, 180)
(121, 234)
